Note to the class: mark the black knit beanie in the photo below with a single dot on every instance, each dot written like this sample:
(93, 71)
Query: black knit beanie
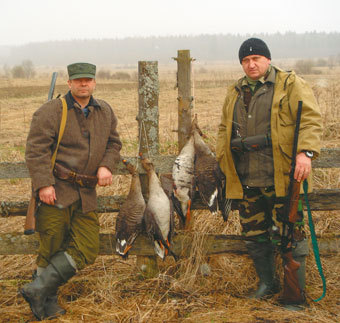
(253, 46)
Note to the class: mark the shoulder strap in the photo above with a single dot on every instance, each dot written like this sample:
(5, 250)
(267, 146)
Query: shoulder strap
(61, 129)
(314, 242)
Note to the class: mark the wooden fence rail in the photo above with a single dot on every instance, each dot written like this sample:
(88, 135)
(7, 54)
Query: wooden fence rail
(17, 243)
(320, 200)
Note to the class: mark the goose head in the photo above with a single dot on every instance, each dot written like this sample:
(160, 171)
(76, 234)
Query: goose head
(146, 163)
(131, 168)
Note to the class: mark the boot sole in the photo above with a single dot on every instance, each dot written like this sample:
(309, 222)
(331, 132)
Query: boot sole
(55, 315)
(28, 300)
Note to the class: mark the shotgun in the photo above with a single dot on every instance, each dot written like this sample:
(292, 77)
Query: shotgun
(29, 227)
(292, 292)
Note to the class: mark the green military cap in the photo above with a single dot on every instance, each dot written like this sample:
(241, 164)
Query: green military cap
(79, 70)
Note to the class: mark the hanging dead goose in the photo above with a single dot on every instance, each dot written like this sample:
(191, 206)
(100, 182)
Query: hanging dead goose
(157, 217)
(184, 181)
(209, 179)
(129, 219)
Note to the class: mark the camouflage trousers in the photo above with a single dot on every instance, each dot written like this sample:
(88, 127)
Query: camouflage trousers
(261, 215)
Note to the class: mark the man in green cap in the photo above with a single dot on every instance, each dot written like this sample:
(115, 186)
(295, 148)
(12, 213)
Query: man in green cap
(254, 150)
(87, 154)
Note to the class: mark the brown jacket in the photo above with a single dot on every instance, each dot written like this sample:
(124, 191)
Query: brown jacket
(87, 144)
(288, 90)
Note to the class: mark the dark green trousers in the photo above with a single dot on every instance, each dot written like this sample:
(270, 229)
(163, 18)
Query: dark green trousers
(67, 230)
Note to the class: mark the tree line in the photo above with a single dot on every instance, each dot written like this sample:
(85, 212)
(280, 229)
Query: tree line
(203, 47)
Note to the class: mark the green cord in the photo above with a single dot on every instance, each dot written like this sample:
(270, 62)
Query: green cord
(314, 242)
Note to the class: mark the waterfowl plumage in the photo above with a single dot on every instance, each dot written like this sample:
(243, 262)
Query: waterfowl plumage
(167, 184)
(129, 219)
(209, 179)
(184, 181)
(157, 217)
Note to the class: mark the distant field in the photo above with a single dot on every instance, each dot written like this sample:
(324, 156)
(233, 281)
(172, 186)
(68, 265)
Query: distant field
(111, 290)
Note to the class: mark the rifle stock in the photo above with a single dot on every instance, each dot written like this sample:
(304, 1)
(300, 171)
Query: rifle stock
(292, 293)
(29, 226)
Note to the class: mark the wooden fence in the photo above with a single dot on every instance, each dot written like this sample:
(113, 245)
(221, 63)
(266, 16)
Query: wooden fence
(148, 84)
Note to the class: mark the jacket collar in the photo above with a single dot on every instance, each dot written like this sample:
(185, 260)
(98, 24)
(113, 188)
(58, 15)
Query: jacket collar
(269, 77)
(71, 102)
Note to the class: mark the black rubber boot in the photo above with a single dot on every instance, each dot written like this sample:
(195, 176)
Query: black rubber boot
(262, 255)
(58, 272)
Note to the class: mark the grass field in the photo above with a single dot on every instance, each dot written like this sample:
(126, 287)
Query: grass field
(112, 290)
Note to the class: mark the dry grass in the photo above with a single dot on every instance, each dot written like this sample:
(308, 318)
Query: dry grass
(112, 290)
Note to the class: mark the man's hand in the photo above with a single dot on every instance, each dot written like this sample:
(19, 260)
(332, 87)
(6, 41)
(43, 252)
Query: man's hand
(47, 195)
(104, 176)
(303, 167)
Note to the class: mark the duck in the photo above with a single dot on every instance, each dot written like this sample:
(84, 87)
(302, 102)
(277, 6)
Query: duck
(184, 181)
(157, 217)
(209, 178)
(130, 216)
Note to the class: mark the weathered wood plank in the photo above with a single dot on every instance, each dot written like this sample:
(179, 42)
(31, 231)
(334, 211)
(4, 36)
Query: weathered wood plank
(163, 164)
(320, 200)
(17, 243)
(329, 158)
(325, 200)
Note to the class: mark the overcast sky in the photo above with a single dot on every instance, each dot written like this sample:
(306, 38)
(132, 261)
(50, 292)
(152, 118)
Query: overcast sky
(24, 21)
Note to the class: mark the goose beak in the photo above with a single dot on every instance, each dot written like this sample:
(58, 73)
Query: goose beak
(167, 250)
(127, 248)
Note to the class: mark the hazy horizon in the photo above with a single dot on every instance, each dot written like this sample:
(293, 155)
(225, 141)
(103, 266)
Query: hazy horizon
(37, 21)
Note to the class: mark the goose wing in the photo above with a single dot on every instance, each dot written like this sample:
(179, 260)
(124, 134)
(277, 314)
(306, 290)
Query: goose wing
(154, 232)
(129, 219)
(224, 204)
(206, 181)
(167, 185)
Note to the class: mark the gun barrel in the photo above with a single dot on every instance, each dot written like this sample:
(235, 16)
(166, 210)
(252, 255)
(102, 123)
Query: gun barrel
(52, 86)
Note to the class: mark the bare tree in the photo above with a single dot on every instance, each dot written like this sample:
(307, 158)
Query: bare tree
(28, 68)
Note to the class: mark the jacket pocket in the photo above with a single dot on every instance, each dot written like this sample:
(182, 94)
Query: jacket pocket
(286, 152)
(221, 146)
(285, 115)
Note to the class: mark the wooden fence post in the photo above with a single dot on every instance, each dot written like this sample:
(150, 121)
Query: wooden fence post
(185, 96)
(148, 117)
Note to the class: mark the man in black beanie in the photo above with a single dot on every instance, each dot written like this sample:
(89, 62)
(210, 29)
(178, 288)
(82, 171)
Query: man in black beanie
(254, 149)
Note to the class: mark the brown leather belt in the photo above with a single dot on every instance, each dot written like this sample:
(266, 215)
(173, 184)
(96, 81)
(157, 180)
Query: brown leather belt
(66, 174)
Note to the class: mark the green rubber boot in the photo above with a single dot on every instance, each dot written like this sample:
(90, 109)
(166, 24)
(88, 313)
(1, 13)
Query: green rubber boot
(262, 255)
(58, 272)
(52, 308)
